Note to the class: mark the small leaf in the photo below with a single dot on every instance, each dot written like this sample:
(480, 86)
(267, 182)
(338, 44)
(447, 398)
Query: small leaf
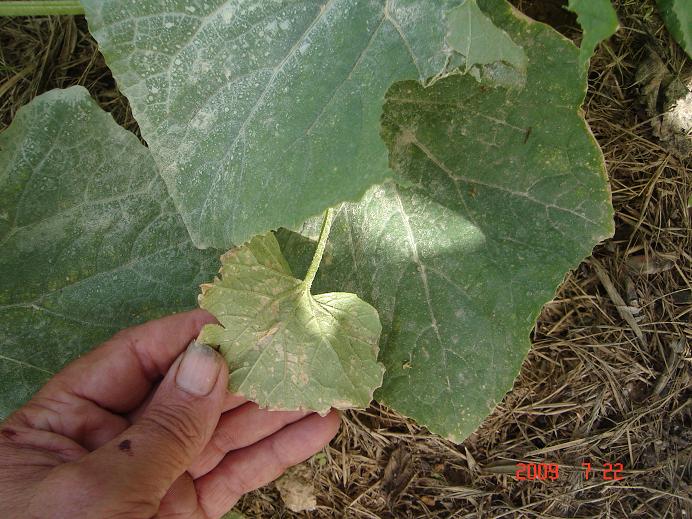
(91, 242)
(598, 21)
(287, 349)
(234, 514)
(678, 17)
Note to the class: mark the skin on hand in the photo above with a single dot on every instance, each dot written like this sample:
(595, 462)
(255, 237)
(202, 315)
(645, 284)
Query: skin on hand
(143, 426)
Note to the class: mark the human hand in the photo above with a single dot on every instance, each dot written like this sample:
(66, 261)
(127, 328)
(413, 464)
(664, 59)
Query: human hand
(102, 439)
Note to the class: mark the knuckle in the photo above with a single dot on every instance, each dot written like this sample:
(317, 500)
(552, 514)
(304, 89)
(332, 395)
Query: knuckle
(279, 454)
(177, 422)
(225, 440)
(230, 488)
(22, 416)
(240, 483)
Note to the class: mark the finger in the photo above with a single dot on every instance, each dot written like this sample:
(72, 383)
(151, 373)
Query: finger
(141, 464)
(240, 428)
(27, 457)
(247, 469)
(26, 449)
(119, 374)
(181, 501)
(66, 414)
(231, 401)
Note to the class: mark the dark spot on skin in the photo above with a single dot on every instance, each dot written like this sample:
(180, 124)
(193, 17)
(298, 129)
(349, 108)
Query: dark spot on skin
(125, 446)
(8, 433)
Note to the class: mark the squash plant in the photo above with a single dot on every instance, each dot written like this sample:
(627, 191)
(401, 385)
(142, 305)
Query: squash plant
(400, 185)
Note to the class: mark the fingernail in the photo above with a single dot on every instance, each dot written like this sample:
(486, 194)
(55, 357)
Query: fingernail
(198, 370)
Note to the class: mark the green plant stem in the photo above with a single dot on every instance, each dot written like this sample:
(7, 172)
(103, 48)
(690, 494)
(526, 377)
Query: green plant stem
(319, 251)
(40, 8)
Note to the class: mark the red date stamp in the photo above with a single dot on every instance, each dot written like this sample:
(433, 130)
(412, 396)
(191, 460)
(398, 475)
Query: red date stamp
(551, 471)
(609, 472)
(537, 471)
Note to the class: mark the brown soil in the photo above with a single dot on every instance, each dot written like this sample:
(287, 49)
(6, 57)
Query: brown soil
(608, 380)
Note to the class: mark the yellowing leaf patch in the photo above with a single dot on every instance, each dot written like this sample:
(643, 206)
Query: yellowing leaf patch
(287, 349)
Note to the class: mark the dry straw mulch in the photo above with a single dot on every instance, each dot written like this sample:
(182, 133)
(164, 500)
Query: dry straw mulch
(608, 379)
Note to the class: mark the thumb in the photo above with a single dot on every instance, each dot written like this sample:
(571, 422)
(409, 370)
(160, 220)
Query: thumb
(173, 430)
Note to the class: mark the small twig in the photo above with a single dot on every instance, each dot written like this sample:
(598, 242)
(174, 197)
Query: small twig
(670, 367)
(620, 305)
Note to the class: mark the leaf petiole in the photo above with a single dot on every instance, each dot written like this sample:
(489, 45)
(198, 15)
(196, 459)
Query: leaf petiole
(319, 251)
(40, 8)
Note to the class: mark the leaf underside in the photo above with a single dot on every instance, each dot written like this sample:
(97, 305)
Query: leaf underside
(262, 114)
(287, 349)
(91, 242)
(502, 192)
(677, 15)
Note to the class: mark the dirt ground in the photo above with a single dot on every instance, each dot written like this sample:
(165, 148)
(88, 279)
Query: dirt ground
(608, 380)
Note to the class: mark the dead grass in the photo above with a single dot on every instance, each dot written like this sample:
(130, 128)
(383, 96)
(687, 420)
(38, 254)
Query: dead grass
(608, 379)
(39, 54)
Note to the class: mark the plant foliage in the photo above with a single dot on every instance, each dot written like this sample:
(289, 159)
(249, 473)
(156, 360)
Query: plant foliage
(262, 114)
(286, 348)
(598, 21)
(678, 17)
(250, 106)
(501, 192)
(91, 241)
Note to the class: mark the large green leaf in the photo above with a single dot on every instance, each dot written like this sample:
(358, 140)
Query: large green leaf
(286, 348)
(505, 192)
(261, 114)
(91, 242)
(678, 17)
(598, 21)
